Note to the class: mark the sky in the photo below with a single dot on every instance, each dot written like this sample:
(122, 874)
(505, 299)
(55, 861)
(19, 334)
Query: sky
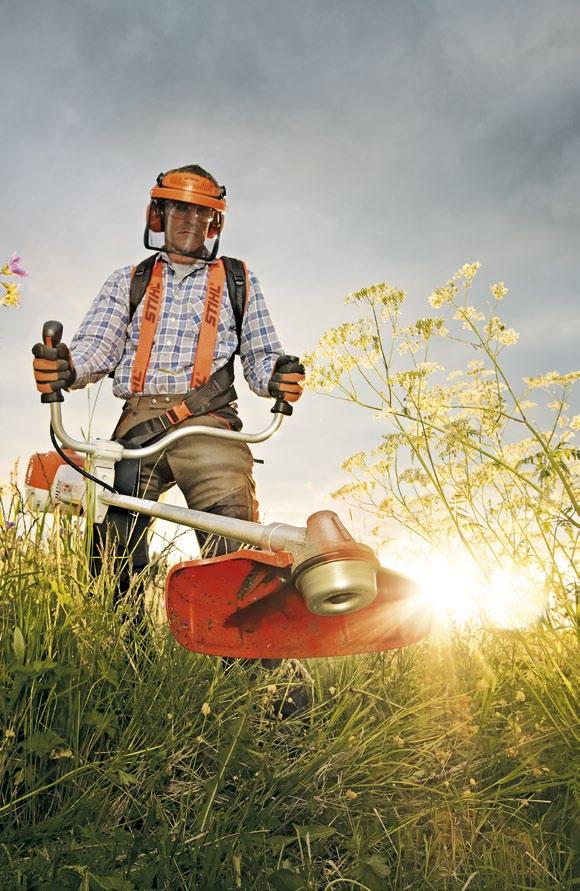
(376, 140)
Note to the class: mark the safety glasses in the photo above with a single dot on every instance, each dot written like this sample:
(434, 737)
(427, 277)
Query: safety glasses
(184, 209)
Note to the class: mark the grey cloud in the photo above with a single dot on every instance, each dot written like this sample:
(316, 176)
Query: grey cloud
(359, 141)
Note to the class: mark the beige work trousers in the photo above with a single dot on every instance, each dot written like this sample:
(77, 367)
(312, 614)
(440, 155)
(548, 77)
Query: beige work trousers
(213, 474)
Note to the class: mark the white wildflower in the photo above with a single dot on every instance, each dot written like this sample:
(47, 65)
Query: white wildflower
(425, 368)
(551, 379)
(498, 290)
(381, 292)
(468, 314)
(443, 295)
(508, 337)
(355, 462)
(467, 272)
(475, 366)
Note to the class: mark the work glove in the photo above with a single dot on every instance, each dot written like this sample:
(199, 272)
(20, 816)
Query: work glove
(53, 368)
(287, 379)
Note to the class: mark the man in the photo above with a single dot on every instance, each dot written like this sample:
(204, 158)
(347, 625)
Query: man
(171, 361)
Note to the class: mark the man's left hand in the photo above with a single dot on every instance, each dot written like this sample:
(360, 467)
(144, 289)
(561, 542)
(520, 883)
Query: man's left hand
(287, 379)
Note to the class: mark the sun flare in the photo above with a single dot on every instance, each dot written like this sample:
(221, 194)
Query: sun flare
(457, 594)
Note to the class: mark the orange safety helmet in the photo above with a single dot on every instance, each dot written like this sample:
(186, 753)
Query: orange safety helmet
(191, 188)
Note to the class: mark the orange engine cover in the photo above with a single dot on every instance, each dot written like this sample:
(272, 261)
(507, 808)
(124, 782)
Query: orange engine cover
(43, 466)
(245, 605)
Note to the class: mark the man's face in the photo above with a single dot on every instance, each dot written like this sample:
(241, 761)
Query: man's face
(186, 226)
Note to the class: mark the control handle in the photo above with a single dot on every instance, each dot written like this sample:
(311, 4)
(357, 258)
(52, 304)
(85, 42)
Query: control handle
(51, 337)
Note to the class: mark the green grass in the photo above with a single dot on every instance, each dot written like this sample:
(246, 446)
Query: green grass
(447, 765)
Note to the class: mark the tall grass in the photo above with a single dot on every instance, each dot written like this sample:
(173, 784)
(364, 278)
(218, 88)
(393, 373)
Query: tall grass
(130, 763)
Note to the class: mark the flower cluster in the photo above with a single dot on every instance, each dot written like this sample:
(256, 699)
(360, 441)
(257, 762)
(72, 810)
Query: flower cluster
(451, 463)
(496, 330)
(448, 292)
(417, 335)
(382, 294)
(11, 295)
(468, 314)
(498, 290)
(552, 379)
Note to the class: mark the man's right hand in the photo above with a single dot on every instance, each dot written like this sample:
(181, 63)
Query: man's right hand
(53, 368)
(287, 379)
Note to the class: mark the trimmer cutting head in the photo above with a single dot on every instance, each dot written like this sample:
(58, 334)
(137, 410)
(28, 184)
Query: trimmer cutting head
(246, 605)
(334, 573)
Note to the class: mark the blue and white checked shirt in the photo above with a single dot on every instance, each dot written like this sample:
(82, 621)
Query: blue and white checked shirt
(105, 341)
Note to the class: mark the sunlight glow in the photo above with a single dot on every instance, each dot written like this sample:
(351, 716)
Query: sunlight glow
(457, 595)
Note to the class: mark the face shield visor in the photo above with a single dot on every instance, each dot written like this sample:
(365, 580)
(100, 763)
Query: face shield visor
(185, 216)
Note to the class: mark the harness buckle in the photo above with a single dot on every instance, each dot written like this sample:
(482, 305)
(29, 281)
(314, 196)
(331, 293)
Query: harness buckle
(178, 413)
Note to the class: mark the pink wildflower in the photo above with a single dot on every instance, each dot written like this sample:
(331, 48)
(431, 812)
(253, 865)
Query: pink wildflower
(15, 268)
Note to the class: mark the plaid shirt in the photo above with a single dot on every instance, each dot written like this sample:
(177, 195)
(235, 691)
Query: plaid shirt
(106, 341)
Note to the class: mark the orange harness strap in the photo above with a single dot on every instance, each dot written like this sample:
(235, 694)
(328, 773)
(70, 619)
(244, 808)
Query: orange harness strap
(208, 330)
(149, 319)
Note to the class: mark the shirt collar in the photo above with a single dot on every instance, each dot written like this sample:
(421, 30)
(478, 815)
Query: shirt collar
(182, 270)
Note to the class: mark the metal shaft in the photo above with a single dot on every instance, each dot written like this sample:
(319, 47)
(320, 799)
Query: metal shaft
(274, 537)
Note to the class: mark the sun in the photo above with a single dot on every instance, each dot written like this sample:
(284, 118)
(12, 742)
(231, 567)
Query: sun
(458, 593)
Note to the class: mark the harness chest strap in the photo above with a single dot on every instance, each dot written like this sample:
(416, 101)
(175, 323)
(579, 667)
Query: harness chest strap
(207, 333)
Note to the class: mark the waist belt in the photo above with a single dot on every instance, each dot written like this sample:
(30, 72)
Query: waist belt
(208, 398)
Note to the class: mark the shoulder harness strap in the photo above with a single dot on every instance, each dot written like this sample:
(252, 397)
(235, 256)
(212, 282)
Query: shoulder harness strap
(140, 277)
(238, 280)
(151, 313)
(209, 324)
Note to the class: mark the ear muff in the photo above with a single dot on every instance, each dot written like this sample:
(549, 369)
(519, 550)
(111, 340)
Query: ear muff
(216, 225)
(154, 216)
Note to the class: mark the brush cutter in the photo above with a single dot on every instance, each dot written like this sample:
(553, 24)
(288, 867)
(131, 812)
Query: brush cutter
(304, 592)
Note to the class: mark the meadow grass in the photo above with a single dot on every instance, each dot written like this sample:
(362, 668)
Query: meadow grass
(129, 763)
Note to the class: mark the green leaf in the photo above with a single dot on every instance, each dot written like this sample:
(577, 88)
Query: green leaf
(127, 779)
(366, 875)
(103, 722)
(38, 667)
(378, 865)
(106, 883)
(314, 830)
(42, 742)
(108, 671)
(372, 871)
(277, 843)
(111, 883)
(286, 880)
(18, 644)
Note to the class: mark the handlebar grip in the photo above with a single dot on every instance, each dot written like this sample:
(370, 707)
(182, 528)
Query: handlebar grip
(51, 337)
(52, 333)
(294, 367)
(281, 407)
(286, 365)
(289, 365)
